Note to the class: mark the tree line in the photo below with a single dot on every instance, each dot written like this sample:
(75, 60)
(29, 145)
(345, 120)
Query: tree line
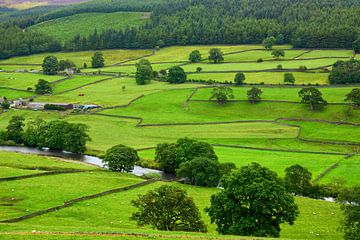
(55, 135)
(306, 24)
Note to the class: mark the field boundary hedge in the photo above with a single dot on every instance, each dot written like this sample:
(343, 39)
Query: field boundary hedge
(40, 175)
(71, 202)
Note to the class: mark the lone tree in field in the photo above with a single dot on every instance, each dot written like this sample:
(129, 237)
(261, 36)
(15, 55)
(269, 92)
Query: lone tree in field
(195, 56)
(254, 202)
(222, 94)
(298, 180)
(144, 72)
(215, 55)
(176, 75)
(50, 65)
(15, 129)
(254, 95)
(121, 158)
(277, 53)
(200, 171)
(239, 78)
(350, 224)
(168, 208)
(98, 61)
(289, 78)
(354, 97)
(269, 42)
(43, 87)
(313, 97)
(170, 156)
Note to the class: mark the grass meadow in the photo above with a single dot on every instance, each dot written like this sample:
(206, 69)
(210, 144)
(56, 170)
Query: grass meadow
(165, 113)
(66, 28)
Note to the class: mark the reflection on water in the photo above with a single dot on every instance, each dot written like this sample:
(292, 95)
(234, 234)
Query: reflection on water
(138, 171)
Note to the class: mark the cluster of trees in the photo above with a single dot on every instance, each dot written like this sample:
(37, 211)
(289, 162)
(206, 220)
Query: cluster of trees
(55, 135)
(16, 42)
(51, 65)
(223, 93)
(243, 206)
(307, 23)
(344, 72)
(193, 160)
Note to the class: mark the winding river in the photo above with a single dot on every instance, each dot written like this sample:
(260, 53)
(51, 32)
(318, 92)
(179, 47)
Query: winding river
(138, 171)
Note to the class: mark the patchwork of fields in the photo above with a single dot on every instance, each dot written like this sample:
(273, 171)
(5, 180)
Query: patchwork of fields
(277, 133)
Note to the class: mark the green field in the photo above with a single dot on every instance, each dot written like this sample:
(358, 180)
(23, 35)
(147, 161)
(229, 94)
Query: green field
(23, 81)
(274, 134)
(265, 77)
(317, 218)
(79, 58)
(65, 29)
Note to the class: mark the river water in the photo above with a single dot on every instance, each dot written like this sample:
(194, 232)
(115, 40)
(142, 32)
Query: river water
(138, 171)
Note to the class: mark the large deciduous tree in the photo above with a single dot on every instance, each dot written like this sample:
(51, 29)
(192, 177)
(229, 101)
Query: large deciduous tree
(216, 55)
(144, 72)
(313, 97)
(354, 97)
(289, 78)
(200, 171)
(277, 53)
(350, 199)
(170, 156)
(168, 208)
(298, 180)
(50, 65)
(195, 56)
(120, 158)
(97, 60)
(254, 202)
(222, 94)
(15, 129)
(269, 42)
(239, 78)
(176, 75)
(254, 95)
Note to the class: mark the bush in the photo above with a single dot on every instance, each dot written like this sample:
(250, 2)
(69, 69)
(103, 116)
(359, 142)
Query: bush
(260, 60)
(302, 68)
(279, 67)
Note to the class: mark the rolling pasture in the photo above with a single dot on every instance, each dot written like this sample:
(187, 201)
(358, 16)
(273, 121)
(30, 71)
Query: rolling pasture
(93, 215)
(66, 28)
(277, 133)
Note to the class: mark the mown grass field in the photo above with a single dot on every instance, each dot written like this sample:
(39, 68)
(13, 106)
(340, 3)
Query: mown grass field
(66, 28)
(277, 142)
